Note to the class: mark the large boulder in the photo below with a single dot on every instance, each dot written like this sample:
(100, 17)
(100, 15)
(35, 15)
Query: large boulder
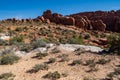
(58, 18)
(82, 22)
(67, 20)
(79, 22)
(47, 14)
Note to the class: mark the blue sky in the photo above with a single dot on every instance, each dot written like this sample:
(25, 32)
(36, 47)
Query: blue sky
(33, 8)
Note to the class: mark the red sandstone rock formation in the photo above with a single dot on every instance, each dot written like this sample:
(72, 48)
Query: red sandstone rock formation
(47, 21)
(110, 18)
(58, 18)
(67, 20)
(98, 25)
(98, 20)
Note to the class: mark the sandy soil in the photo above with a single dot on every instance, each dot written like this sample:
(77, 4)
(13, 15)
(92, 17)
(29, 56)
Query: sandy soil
(77, 72)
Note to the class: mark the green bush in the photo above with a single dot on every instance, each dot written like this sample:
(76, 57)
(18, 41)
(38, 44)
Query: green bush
(103, 61)
(39, 43)
(90, 61)
(87, 36)
(51, 60)
(3, 43)
(41, 55)
(76, 62)
(19, 29)
(46, 40)
(114, 44)
(76, 40)
(8, 59)
(6, 76)
(64, 57)
(111, 75)
(25, 47)
(55, 75)
(117, 71)
(39, 67)
(62, 40)
(16, 39)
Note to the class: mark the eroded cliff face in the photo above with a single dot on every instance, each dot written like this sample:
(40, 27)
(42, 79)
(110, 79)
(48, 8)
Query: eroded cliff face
(111, 18)
(77, 20)
(99, 20)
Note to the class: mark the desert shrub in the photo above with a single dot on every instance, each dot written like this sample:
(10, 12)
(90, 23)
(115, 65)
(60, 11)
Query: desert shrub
(6, 50)
(90, 61)
(6, 76)
(41, 55)
(64, 57)
(103, 61)
(62, 40)
(16, 39)
(46, 40)
(76, 40)
(86, 78)
(38, 67)
(19, 29)
(114, 44)
(114, 73)
(1, 30)
(43, 32)
(24, 47)
(55, 75)
(38, 43)
(87, 36)
(11, 32)
(96, 35)
(103, 35)
(51, 40)
(8, 59)
(111, 75)
(51, 60)
(76, 62)
(117, 71)
(92, 68)
(3, 43)
(50, 35)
